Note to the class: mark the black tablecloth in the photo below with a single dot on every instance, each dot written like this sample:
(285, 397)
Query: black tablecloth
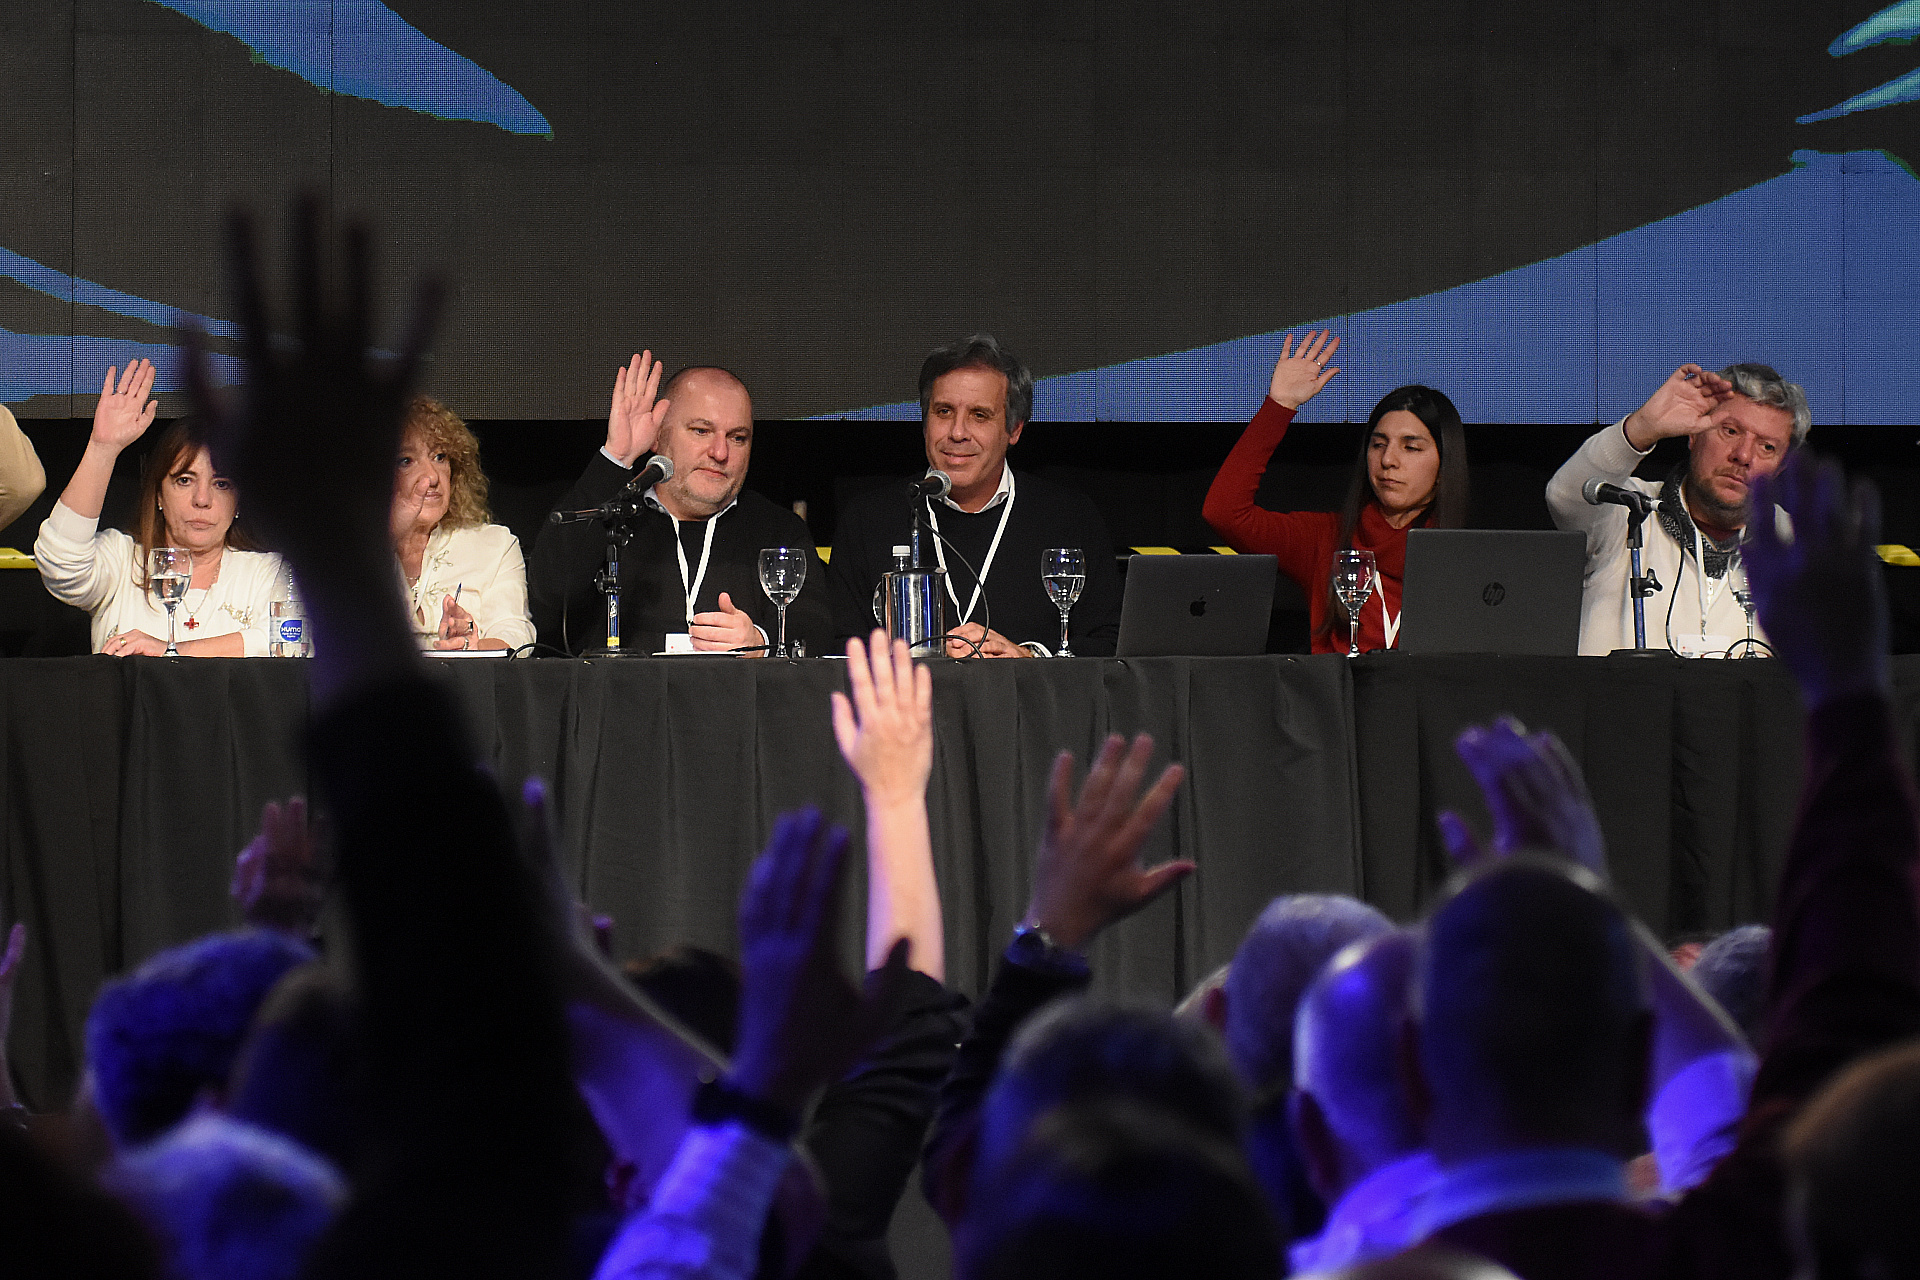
(126, 787)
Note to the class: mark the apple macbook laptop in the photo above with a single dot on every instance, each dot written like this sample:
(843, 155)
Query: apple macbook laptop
(1196, 606)
(1492, 591)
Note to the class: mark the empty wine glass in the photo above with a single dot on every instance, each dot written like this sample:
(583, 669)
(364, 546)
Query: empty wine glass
(1353, 581)
(169, 570)
(1064, 571)
(783, 570)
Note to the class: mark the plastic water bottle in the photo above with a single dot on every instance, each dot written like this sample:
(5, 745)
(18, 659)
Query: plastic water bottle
(288, 638)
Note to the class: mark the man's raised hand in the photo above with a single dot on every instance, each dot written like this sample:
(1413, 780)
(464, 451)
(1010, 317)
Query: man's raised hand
(1087, 873)
(1820, 593)
(1535, 792)
(1680, 407)
(802, 1024)
(123, 414)
(321, 406)
(885, 729)
(276, 878)
(1298, 377)
(633, 423)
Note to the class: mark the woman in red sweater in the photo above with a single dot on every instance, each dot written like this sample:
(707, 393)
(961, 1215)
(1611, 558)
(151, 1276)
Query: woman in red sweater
(1412, 469)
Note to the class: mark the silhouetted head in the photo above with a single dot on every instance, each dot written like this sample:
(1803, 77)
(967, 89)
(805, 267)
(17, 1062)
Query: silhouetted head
(1733, 970)
(1351, 1111)
(699, 987)
(1533, 1022)
(1282, 953)
(1115, 1190)
(1853, 1161)
(159, 1037)
(228, 1200)
(1083, 1049)
(301, 1072)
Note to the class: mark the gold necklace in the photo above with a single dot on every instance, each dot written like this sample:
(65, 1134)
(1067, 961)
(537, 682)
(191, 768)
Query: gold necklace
(193, 623)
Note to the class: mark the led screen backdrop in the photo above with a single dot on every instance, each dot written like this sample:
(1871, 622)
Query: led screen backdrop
(1540, 206)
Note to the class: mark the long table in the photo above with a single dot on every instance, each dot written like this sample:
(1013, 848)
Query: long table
(126, 787)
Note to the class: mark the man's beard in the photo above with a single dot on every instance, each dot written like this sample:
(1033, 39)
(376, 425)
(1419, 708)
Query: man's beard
(1703, 504)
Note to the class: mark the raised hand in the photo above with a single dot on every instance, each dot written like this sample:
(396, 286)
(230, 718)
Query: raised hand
(1297, 378)
(319, 407)
(633, 423)
(802, 1023)
(1087, 873)
(885, 730)
(276, 878)
(1820, 593)
(1681, 407)
(1535, 792)
(724, 629)
(123, 415)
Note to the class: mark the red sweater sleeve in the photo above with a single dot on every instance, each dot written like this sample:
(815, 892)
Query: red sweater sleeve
(1303, 540)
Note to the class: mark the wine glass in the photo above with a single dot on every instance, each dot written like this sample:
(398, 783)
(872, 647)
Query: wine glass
(169, 570)
(783, 570)
(1064, 571)
(1353, 579)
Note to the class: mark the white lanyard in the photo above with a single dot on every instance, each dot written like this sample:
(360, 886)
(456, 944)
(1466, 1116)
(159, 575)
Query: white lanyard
(1709, 587)
(986, 566)
(1392, 620)
(693, 587)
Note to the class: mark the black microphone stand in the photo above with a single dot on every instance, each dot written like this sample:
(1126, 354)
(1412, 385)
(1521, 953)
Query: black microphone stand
(1641, 584)
(617, 518)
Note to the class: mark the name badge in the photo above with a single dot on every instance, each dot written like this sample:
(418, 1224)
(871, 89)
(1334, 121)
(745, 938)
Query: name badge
(680, 642)
(1702, 646)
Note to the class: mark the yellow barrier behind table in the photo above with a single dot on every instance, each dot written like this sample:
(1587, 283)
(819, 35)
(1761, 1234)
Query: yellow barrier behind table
(12, 559)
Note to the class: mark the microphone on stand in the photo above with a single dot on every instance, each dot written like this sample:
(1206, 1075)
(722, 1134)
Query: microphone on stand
(626, 503)
(1598, 491)
(934, 484)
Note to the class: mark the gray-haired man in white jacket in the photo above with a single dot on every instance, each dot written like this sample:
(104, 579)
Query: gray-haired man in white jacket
(1740, 422)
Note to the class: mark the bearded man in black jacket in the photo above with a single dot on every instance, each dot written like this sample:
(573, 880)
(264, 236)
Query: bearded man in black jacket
(975, 399)
(690, 577)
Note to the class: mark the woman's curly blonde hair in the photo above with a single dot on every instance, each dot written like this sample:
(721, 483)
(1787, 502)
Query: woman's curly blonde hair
(443, 430)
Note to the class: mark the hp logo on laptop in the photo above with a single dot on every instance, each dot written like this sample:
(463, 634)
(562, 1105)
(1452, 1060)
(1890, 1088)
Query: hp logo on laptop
(1493, 593)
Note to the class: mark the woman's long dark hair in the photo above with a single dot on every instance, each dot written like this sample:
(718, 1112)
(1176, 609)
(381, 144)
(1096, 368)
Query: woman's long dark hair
(1448, 510)
(173, 452)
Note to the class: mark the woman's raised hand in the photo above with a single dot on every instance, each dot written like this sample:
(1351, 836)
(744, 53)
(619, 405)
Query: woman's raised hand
(123, 415)
(1298, 377)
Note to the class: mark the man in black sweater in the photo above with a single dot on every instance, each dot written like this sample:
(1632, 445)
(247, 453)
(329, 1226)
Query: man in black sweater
(975, 398)
(692, 570)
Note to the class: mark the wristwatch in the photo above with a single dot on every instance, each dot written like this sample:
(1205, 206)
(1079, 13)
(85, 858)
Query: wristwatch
(1034, 948)
(719, 1100)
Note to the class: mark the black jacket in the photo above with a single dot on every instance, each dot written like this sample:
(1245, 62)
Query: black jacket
(570, 612)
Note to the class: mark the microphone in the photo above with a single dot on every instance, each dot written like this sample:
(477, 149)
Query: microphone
(626, 504)
(1597, 491)
(934, 484)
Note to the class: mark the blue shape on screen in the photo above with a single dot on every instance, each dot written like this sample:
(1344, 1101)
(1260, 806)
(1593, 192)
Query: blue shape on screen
(44, 279)
(365, 50)
(1898, 24)
(55, 364)
(1816, 272)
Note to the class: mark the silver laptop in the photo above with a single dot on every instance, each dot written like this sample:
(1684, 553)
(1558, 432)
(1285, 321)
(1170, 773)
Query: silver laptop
(1196, 606)
(1492, 591)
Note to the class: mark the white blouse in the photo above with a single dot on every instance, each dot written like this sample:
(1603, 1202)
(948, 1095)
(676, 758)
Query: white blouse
(484, 562)
(93, 569)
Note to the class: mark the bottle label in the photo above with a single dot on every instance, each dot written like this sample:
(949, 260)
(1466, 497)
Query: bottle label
(292, 630)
